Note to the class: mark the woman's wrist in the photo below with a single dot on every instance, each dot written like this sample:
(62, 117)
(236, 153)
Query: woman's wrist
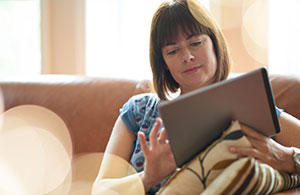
(296, 160)
(147, 184)
(289, 162)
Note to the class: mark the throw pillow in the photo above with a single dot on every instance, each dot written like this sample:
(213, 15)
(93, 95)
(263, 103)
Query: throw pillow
(248, 176)
(196, 175)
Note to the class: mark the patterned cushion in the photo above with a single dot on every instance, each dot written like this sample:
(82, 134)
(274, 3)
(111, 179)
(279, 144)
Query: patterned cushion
(248, 176)
(217, 171)
(196, 175)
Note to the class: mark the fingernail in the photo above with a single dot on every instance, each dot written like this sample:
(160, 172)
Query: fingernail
(232, 149)
(162, 141)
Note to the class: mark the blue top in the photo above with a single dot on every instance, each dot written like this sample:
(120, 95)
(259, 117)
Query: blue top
(139, 114)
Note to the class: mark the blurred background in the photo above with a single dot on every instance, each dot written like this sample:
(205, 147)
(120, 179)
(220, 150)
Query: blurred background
(110, 38)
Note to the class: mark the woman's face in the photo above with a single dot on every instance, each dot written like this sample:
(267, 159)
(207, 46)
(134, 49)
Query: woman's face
(191, 61)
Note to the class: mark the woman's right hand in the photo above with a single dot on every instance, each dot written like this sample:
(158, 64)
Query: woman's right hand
(266, 150)
(159, 159)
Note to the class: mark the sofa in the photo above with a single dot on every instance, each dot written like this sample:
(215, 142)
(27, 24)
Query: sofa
(89, 107)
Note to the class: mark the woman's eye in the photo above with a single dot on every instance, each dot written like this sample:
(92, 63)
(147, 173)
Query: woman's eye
(197, 43)
(172, 52)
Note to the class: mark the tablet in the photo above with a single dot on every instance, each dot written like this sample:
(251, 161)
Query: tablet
(194, 120)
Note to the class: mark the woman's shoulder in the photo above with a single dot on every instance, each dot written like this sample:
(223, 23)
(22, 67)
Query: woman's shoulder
(145, 98)
(141, 101)
(139, 111)
(145, 103)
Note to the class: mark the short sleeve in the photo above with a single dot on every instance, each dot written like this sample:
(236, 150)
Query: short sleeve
(139, 112)
(278, 111)
(127, 115)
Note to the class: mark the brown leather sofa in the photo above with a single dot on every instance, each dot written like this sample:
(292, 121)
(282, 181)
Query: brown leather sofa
(89, 106)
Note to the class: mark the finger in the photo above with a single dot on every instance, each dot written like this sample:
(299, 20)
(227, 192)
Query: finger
(153, 134)
(254, 142)
(251, 132)
(143, 143)
(258, 144)
(245, 151)
(163, 135)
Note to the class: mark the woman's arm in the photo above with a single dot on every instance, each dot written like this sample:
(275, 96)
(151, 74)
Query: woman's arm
(113, 175)
(118, 149)
(290, 130)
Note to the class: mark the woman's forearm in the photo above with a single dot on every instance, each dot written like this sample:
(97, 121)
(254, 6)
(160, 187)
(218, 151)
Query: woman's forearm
(290, 131)
(131, 184)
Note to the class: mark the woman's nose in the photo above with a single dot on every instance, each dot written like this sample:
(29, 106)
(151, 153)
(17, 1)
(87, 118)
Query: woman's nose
(187, 56)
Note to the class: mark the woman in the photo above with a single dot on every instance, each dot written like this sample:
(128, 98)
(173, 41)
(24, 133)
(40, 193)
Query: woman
(187, 52)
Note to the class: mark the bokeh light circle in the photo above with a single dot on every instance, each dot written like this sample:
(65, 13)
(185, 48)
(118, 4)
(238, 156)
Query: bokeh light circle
(255, 31)
(117, 176)
(35, 151)
(227, 13)
(1, 108)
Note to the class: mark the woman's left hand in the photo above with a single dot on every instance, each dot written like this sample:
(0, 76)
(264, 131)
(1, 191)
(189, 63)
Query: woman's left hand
(266, 150)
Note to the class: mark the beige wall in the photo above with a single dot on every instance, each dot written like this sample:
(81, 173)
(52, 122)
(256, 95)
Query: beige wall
(63, 36)
(245, 26)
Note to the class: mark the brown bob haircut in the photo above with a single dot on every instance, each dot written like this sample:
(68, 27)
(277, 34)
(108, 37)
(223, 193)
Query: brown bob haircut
(169, 19)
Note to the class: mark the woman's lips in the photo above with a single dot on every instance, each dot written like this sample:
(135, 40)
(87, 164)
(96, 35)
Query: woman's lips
(192, 70)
